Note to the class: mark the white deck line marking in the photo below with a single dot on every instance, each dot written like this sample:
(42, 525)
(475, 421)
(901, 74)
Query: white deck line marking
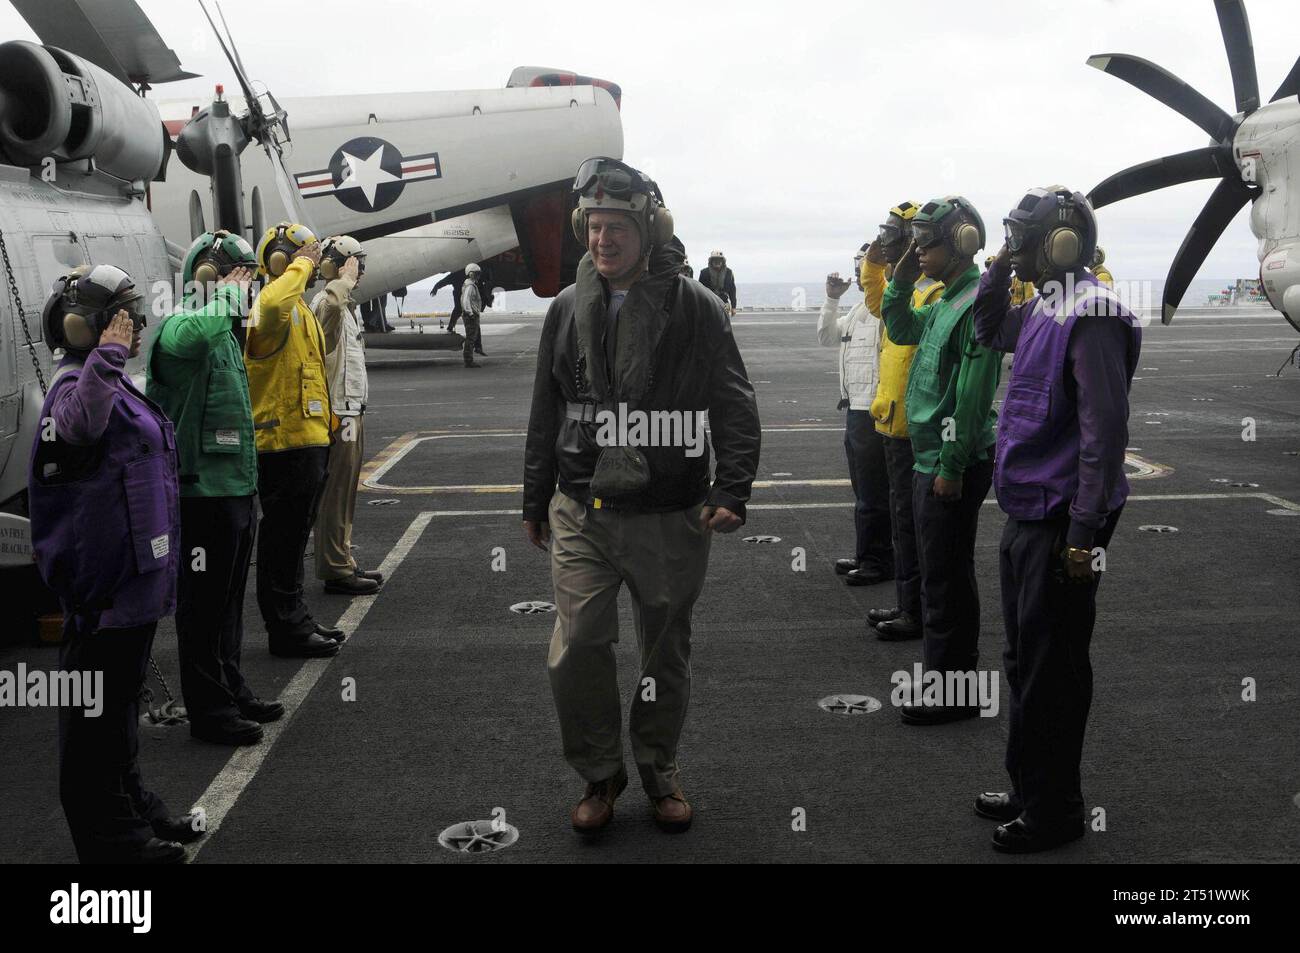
(243, 765)
(1146, 469)
(1137, 497)
(372, 482)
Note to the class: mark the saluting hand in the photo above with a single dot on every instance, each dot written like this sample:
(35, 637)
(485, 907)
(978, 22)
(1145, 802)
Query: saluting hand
(874, 253)
(119, 331)
(310, 251)
(351, 270)
(239, 278)
(1003, 256)
(908, 268)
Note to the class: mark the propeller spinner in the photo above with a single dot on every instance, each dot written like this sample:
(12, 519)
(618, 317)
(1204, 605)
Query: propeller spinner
(1230, 157)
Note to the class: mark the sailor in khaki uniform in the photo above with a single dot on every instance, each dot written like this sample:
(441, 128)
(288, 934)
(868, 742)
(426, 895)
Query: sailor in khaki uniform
(341, 265)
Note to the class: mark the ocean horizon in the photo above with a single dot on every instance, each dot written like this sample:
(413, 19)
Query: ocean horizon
(784, 295)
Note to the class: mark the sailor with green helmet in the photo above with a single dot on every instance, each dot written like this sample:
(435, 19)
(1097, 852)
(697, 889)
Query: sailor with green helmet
(949, 410)
(195, 372)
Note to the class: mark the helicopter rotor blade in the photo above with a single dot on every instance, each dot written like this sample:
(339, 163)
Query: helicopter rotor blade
(234, 65)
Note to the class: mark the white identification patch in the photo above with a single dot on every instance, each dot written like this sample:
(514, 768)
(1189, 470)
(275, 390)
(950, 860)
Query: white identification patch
(314, 406)
(228, 438)
(161, 546)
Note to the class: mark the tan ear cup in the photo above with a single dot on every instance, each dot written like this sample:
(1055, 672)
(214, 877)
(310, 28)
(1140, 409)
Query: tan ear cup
(661, 228)
(1062, 247)
(966, 239)
(205, 274)
(277, 262)
(329, 269)
(579, 222)
(78, 333)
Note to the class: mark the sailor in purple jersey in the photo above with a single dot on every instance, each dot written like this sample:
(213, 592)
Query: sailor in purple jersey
(1059, 477)
(103, 496)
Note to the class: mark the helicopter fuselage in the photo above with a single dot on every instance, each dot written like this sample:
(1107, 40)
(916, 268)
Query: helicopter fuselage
(51, 227)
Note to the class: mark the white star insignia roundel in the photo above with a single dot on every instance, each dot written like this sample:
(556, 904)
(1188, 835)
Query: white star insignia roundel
(366, 174)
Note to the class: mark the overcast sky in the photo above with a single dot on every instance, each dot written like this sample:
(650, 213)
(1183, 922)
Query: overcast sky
(781, 135)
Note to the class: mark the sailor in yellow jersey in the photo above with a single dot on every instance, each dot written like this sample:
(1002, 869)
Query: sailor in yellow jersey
(285, 358)
(902, 620)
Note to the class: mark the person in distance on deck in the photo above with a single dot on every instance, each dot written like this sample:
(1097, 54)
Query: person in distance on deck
(471, 309)
(718, 278)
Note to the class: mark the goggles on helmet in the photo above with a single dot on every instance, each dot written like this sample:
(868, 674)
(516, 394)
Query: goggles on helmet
(927, 234)
(603, 176)
(136, 310)
(890, 234)
(1016, 233)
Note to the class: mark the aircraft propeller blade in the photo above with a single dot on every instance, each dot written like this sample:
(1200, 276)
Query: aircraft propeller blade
(1225, 202)
(1159, 83)
(1211, 162)
(1290, 86)
(1235, 28)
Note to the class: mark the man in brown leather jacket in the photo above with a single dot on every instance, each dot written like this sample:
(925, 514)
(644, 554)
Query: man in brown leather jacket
(631, 357)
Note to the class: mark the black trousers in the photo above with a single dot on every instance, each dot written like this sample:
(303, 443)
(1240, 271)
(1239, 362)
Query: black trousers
(109, 811)
(290, 484)
(862, 444)
(950, 601)
(907, 562)
(210, 604)
(1049, 624)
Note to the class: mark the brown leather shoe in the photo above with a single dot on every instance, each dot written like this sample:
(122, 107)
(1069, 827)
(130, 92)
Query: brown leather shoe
(596, 809)
(672, 813)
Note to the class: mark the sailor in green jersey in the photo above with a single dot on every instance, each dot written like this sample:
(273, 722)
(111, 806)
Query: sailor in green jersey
(949, 410)
(196, 374)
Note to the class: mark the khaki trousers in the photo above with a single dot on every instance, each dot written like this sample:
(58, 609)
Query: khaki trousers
(338, 505)
(663, 558)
